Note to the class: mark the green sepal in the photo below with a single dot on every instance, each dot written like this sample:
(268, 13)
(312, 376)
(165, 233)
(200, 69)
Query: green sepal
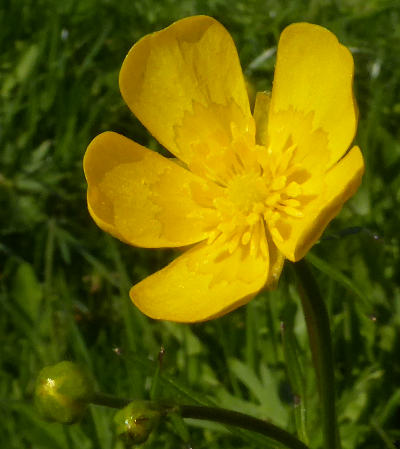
(62, 392)
(135, 422)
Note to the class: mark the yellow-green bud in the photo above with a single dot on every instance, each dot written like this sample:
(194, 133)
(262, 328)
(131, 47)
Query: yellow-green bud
(136, 421)
(63, 392)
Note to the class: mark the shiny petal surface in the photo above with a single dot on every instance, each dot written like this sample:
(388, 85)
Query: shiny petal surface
(337, 186)
(143, 198)
(205, 282)
(185, 84)
(314, 75)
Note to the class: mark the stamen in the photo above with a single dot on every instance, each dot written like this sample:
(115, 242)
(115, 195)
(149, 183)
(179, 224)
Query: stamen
(258, 208)
(278, 183)
(239, 161)
(291, 202)
(234, 243)
(227, 227)
(290, 211)
(246, 238)
(213, 236)
(255, 240)
(286, 158)
(263, 240)
(276, 234)
(252, 219)
(293, 189)
(272, 199)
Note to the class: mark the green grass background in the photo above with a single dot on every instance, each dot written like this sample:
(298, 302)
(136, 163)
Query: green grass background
(64, 283)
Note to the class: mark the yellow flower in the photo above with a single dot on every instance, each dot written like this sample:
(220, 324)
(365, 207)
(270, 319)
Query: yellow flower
(248, 190)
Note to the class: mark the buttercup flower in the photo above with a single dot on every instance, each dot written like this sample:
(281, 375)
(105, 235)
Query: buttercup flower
(247, 190)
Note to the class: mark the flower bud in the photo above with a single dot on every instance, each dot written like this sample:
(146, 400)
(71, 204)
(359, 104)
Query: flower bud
(63, 392)
(136, 421)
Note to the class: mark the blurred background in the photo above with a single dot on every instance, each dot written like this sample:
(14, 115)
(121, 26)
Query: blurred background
(64, 283)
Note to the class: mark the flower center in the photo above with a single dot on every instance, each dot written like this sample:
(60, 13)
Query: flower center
(258, 194)
(245, 191)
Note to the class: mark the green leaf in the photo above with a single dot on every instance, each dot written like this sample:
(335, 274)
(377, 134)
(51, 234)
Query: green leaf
(339, 277)
(265, 389)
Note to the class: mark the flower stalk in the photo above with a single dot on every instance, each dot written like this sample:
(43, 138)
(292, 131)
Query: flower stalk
(215, 414)
(317, 320)
(232, 418)
(108, 400)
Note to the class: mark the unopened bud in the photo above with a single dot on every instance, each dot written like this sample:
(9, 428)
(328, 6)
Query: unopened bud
(136, 421)
(63, 392)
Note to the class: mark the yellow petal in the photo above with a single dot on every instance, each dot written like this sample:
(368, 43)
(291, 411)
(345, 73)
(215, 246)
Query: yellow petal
(298, 142)
(339, 184)
(143, 198)
(185, 84)
(314, 75)
(205, 282)
(260, 114)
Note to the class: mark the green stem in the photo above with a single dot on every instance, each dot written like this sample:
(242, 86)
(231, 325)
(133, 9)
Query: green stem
(317, 320)
(243, 421)
(214, 414)
(107, 400)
